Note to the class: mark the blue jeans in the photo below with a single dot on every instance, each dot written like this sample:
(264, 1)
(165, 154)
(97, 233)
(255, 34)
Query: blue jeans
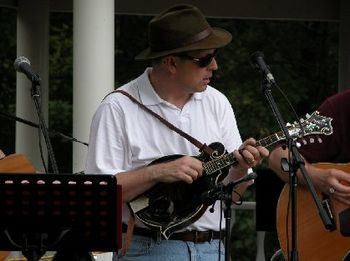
(147, 249)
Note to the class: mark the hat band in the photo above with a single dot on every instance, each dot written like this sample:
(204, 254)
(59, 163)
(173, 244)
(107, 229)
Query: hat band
(195, 38)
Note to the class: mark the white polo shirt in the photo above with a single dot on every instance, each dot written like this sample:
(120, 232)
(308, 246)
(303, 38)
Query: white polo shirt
(123, 136)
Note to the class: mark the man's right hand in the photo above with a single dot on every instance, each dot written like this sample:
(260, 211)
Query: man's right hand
(186, 169)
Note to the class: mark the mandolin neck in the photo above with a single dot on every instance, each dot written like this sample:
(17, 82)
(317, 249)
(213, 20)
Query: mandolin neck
(229, 159)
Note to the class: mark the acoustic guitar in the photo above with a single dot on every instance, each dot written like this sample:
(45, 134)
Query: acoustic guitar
(314, 241)
(16, 163)
(168, 207)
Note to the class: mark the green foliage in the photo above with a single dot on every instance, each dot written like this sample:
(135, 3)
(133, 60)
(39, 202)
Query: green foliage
(61, 83)
(61, 57)
(130, 39)
(296, 52)
(8, 78)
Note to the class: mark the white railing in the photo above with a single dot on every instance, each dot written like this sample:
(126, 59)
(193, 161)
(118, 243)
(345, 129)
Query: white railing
(260, 235)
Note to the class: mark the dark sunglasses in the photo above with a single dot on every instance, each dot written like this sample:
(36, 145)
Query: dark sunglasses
(202, 61)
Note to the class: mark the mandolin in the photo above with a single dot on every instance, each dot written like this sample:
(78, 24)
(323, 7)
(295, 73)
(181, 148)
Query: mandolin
(170, 207)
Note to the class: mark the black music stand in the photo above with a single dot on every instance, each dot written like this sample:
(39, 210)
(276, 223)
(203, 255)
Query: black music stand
(49, 212)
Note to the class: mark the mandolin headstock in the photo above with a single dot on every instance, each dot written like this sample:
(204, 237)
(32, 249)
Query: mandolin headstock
(314, 124)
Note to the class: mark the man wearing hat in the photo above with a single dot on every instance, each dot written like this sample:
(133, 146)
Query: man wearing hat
(125, 137)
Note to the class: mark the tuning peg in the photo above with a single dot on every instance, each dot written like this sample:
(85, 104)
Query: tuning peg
(312, 140)
(308, 115)
(304, 141)
(319, 140)
(288, 124)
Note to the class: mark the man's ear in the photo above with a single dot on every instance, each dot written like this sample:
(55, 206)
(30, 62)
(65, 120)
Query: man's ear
(170, 63)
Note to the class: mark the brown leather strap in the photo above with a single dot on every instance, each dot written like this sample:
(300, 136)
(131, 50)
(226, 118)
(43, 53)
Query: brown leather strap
(202, 147)
(128, 236)
(197, 236)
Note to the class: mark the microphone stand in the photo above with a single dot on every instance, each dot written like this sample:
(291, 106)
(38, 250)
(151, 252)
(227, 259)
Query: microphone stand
(224, 192)
(296, 162)
(52, 133)
(35, 93)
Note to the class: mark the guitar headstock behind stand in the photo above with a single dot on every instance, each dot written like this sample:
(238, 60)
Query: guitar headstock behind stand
(295, 163)
(50, 212)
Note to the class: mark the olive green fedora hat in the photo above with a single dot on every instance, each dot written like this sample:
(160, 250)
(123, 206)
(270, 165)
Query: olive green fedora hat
(181, 28)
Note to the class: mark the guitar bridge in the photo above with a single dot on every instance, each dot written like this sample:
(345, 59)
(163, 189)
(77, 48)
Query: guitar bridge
(327, 206)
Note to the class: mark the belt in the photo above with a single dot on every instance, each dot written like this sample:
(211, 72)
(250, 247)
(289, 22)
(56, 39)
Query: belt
(193, 235)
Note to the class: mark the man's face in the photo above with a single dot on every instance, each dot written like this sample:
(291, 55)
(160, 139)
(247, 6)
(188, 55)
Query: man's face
(195, 69)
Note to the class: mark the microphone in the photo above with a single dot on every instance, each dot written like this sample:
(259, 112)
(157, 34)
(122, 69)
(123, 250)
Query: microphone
(22, 64)
(236, 182)
(257, 59)
(216, 191)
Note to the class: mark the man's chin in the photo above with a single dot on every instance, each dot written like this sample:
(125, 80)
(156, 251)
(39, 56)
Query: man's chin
(199, 88)
(204, 87)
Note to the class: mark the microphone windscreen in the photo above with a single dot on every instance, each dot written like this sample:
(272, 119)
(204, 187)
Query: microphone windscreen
(20, 60)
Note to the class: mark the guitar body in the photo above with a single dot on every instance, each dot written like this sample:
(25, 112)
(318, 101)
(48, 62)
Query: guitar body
(4, 255)
(168, 207)
(16, 163)
(314, 241)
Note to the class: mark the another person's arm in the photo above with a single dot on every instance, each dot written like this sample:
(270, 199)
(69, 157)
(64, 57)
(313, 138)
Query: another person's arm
(323, 179)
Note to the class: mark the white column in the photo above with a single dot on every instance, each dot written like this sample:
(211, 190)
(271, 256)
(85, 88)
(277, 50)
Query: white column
(93, 66)
(344, 45)
(33, 43)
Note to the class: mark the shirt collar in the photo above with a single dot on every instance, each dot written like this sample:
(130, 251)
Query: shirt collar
(148, 95)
